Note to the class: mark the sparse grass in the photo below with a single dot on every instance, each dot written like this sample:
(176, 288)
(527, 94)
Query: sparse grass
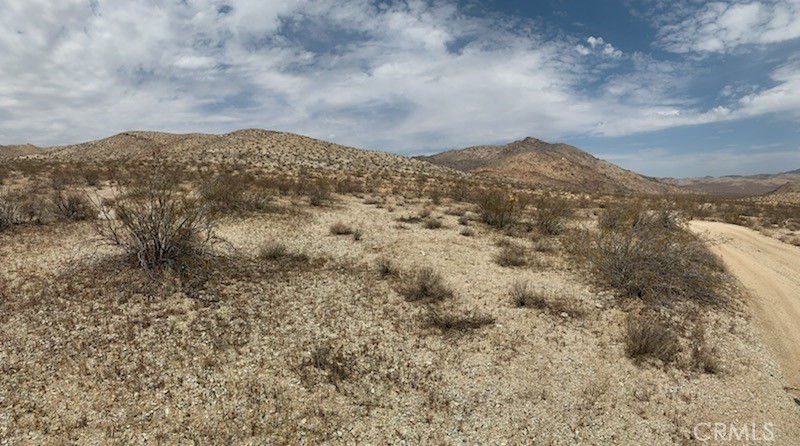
(385, 267)
(340, 228)
(426, 285)
(272, 251)
(511, 255)
(450, 320)
(704, 357)
(649, 336)
(523, 297)
(336, 366)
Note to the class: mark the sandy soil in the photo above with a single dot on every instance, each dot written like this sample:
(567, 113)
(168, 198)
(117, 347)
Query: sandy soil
(770, 270)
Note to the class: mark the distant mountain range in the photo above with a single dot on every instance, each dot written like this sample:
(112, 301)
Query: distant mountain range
(529, 161)
(740, 185)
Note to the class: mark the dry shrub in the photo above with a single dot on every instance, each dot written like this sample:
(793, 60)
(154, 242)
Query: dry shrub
(434, 223)
(337, 366)
(551, 214)
(511, 255)
(523, 297)
(229, 194)
(272, 251)
(319, 193)
(647, 335)
(73, 207)
(386, 267)
(10, 211)
(619, 216)
(467, 232)
(426, 286)
(340, 228)
(654, 259)
(704, 357)
(159, 227)
(92, 177)
(450, 320)
(498, 208)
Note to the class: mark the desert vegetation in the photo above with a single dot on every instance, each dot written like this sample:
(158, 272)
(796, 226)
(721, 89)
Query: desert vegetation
(224, 303)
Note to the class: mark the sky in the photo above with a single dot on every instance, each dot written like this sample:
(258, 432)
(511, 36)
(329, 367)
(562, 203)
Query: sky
(675, 88)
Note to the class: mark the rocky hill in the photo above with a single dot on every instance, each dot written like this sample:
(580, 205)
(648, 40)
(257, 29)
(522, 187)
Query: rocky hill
(19, 150)
(539, 163)
(272, 151)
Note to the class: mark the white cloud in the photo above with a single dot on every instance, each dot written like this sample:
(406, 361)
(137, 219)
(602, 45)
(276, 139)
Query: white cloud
(721, 27)
(416, 75)
(598, 46)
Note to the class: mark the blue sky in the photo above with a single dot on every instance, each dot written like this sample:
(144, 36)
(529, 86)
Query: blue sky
(665, 88)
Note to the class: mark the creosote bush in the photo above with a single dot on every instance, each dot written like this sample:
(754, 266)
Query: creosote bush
(10, 211)
(551, 214)
(158, 226)
(654, 258)
(73, 207)
(498, 208)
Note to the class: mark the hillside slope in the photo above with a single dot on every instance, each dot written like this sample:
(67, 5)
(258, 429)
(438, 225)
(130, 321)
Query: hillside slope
(19, 150)
(276, 151)
(540, 163)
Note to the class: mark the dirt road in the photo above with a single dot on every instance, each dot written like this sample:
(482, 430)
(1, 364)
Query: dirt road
(770, 270)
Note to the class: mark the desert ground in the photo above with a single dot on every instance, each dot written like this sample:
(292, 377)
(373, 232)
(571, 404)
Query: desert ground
(317, 299)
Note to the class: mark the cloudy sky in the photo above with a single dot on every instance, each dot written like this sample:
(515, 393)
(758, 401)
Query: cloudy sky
(663, 87)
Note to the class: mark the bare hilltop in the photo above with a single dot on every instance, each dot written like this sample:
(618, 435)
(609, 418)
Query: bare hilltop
(535, 162)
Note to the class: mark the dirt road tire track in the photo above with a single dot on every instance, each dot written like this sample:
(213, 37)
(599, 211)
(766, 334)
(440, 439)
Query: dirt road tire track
(770, 271)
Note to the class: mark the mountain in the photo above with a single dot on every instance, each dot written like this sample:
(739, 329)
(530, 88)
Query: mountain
(19, 150)
(272, 151)
(539, 163)
(739, 185)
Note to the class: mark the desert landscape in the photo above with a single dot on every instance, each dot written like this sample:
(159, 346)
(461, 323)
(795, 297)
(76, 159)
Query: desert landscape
(262, 287)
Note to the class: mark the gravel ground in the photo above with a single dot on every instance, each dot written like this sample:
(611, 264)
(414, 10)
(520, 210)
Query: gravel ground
(327, 351)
